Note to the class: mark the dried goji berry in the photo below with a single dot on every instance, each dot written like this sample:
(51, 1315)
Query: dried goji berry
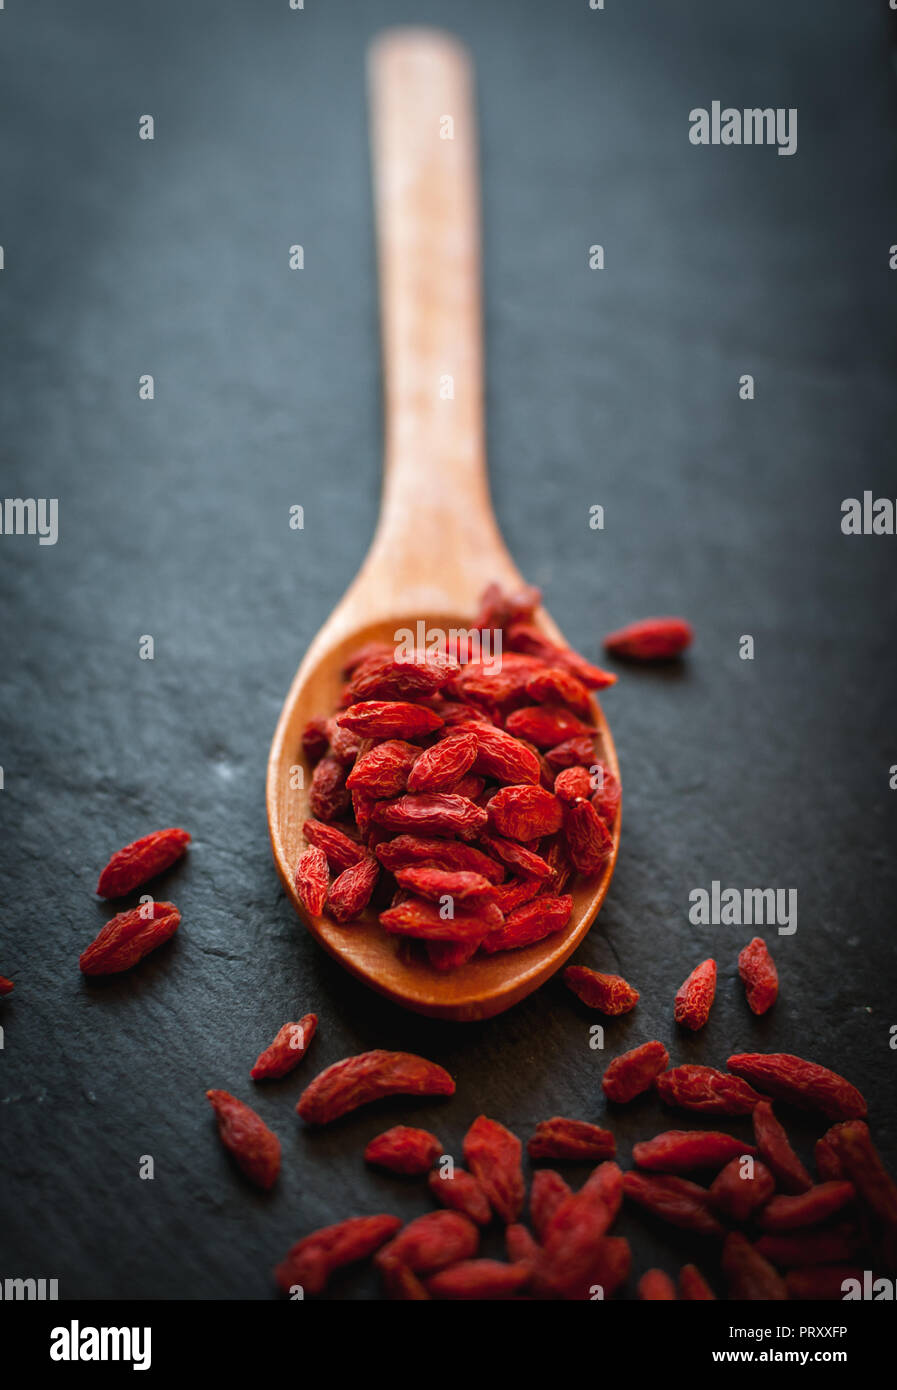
(681, 1150)
(328, 797)
(761, 979)
(655, 1286)
(554, 685)
(517, 891)
(576, 1250)
(286, 1051)
(829, 1167)
(364, 653)
(633, 1072)
(530, 923)
(589, 841)
(435, 884)
(470, 786)
(340, 850)
(675, 1200)
(312, 1260)
(573, 784)
(777, 1153)
(520, 1244)
(876, 1189)
(432, 813)
(573, 752)
(254, 1148)
(607, 793)
(522, 860)
(807, 1208)
(383, 771)
(418, 918)
(479, 1279)
(707, 1090)
(350, 893)
(404, 1150)
(651, 639)
(693, 1286)
(389, 719)
(823, 1247)
(574, 1139)
(607, 1181)
(344, 745)
(315, 740)
(547, 1190)
(500, 608)
(524, 637)
(406, 850)
(6, 986)
(461, 1191)
(492, 1153)
(503, 758)
(822, 1282)
(137, 863)
(402, 1283)
(802, 1083)
(741, 1188)
(440, 768)
(611, 994)
(448, 955)
(545, 725)
(524, 812)
(357, 1080)
(312, 880)
(749, 1274)
(392, 677)
(694, 996)
(431, 1242)
(128, 937)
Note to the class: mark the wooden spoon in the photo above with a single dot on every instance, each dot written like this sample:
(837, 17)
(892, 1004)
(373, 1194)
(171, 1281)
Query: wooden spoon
(437, 544)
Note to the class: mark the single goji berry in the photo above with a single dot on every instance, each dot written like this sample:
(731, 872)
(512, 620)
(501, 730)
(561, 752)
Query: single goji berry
(286, 1051)
(440, 768)
(547, 1190)
(707, 1090)
(777, 1153)
(741, 1188)
(312, 880)
(6, 986)
(606, 794)
(633, 1072)
(459, 884)
(383, 771)
(401, 1283)
(655, 1286)
(431, 1242)
(344, 745)
(520, 1244)
(503, 758)
(328, 797)
(254, 1148)
(553, 685)
(368, 1076)
(806, 1084)
(749, 1274)
(449, 955)
(861, 1163)
(128, 937)
(406, 850)
(693, 1286)
(573, 752)
(611, 994)
(517, 891)
(694, 996)
(607, 1181)
(418, 918)
(576, 1249)
(573, 784)
(589, 841)
(545, 725)
(483, 1279)
(681, 1150)
(822, 1247)
(675, 1200)
(517, 857)
(432, 813)
(574, 1139)
(311, 1261)
(761, 979)
(492, 1153)
(651, 639)
(404, 1150)
(389, 719)
(395, 677)
(137, 863)
(524, 812)
(541, 917)
(822, 1283)
(340, 850)
(315, 740)
(350, 893)
(829, 1167)
(461, 1191)
(807, 1208)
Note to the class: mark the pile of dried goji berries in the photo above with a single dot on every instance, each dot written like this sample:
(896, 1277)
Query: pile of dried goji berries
(455, 793)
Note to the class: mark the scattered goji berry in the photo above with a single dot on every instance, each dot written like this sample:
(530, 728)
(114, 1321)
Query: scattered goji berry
(651, 639)
(801, 1083)
(541, 917)
(524, 813)
(655, 1286)
(823, 1247)
(706, 1090)
(807, 1208)
(634, 1071)
(547, 1190)
(312, 880)
(483, 1279)
(440, 768)
(311, 1261)
(693, 1286)
(432, 1242)
(351, 892)
(681, 1150)
(578, 1255)
(574, 1139)
(607, 1181)
(6, 986)
(431, 813)
(389, 719)
(821, 1283)
(254, 1148)
(328, 797)
(675, 1200)
(286, 1051)
(357, 1080)
(749, 1274)
(406, 850)
(758, 971)
(610, 994)
(128, 937)
(741, 1188)
(137, 863)
(694, 996)
(384, 770)
(404, 1150)
(776, 1151)
(492, 1153)
(461, 1191)
(589, 841)
(876, 1189)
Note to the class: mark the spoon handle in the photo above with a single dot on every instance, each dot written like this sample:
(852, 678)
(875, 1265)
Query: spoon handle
(436, 520)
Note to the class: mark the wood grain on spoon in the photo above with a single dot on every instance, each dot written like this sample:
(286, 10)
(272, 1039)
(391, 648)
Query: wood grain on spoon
(437, 544)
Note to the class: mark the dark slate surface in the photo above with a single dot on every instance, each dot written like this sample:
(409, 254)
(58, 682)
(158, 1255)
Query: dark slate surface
(619, 388)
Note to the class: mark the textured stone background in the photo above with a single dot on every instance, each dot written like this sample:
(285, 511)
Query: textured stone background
(619, 388)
